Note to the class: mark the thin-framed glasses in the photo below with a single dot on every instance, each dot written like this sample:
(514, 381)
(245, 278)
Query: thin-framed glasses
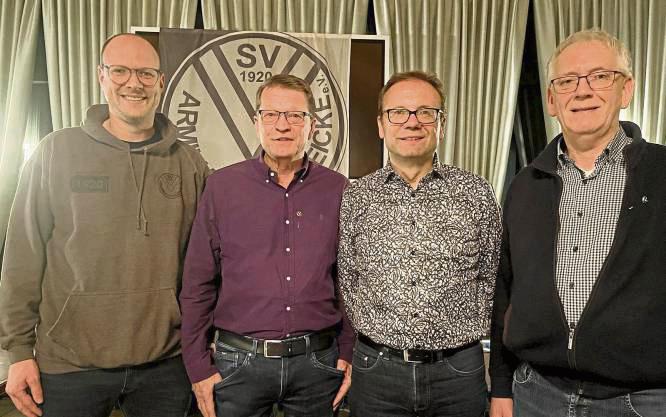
(424, 115)
(120, 74)
(598, 80)
(295, 118)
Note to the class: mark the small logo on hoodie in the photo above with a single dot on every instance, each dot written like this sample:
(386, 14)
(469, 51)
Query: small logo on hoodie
(89, 184)
(169, 185)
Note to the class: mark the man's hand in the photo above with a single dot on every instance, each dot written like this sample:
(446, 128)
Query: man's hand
(345, 366)
(24, 387)
(501, 407)
(203, 390)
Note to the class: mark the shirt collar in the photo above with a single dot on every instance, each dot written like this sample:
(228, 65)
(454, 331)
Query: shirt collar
(301, 173)
(389, 174)
(613, 150)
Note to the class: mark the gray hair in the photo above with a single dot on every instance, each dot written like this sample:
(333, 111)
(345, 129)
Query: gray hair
(599, 35)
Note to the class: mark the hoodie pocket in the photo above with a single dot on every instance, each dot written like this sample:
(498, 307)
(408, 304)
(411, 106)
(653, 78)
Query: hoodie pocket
(112, 329)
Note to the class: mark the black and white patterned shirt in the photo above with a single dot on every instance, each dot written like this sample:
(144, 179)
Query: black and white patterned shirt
(417, 267)
(589, 209)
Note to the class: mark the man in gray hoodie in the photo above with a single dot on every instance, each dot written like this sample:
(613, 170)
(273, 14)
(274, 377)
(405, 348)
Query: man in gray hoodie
(92, 266)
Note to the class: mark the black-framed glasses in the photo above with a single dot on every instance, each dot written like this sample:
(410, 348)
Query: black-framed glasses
(598, 80)
(295, 118)
(424, 115)
(120, 74)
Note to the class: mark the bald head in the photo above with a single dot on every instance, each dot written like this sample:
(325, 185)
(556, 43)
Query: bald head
(129, 44)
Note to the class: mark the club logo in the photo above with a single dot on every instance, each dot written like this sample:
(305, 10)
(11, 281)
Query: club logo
(169, 185)
(89, 184)
(211, 97)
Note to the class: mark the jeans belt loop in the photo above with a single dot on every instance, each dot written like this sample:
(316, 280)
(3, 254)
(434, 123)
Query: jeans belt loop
(307, 345)
(405, 357)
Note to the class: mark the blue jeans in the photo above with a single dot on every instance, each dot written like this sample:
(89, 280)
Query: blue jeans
(388, 387)
(156, 389)
(302, 386)
(535, 396)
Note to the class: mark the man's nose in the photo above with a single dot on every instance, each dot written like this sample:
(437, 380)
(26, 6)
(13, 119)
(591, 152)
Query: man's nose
(281, 123)
(133, 80)
(412, 121)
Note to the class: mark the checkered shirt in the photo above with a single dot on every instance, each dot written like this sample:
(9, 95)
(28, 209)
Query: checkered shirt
(589, 209)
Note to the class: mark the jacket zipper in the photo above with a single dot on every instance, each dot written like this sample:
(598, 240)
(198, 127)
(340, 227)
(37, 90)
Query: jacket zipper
(602, 273)
(570, 328)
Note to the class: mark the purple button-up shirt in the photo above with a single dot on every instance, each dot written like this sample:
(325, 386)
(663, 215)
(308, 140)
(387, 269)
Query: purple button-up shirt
(261, 259)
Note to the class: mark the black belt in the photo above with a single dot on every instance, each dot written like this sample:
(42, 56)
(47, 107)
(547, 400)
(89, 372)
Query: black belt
(414, 355)
(279, 348)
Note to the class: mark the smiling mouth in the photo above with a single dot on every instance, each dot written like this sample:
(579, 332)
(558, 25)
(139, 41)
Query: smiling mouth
(584, 109)
(411, 138)
(133, 98)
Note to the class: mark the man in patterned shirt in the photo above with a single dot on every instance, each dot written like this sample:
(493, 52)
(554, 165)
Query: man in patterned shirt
(418, 255)
(581, 290)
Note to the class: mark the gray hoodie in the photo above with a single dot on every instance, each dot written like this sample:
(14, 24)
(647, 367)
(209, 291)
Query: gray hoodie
(94, 249)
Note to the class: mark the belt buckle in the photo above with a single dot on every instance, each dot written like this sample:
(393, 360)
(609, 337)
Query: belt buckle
(266, 355)
(405, 357)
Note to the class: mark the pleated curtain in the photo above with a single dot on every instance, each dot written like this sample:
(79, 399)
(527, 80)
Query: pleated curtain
(304, 16)
(19, 31)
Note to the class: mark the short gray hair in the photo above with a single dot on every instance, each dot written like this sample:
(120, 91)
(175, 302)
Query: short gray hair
(589, 35)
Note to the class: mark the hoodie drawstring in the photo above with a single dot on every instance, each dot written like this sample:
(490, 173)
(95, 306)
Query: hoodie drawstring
(141, 219)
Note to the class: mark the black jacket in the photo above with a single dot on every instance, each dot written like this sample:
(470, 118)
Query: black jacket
(619, 344)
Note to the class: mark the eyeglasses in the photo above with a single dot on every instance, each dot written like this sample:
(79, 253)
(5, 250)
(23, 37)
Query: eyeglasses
(120, 74)
(424, 115)
(599, 80)
(295, 118)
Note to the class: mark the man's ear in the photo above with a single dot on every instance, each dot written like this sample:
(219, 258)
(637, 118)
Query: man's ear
(380, 128)
(100, 73)
(627, 92)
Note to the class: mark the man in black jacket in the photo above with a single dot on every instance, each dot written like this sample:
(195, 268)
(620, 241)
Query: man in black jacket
(580, 305)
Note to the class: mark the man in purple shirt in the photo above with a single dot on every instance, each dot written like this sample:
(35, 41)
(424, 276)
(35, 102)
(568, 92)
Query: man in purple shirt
(260, 271)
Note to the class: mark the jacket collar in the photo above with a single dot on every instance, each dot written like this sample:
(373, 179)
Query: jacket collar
(546, 161)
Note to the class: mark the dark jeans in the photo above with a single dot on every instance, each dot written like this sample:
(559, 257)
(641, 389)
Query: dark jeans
(302, 386)
(534, 396)
(389, 387)
(156, 389)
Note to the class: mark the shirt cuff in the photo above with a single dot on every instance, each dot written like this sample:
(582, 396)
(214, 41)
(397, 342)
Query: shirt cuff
(200, 371)
(20, 353)
(501, 387)
(346, 349)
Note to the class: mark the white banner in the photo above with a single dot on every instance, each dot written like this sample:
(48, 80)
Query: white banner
(213, 78)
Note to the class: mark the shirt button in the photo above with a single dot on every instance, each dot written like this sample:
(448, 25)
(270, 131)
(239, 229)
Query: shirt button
(286, 221)
(268, 181)
(288, 334)
(579, 214)
(415, 315)
(286, 194)
(288, 250)
(299, 213)
(288, 278)
(413, 283)
(575, 249)
(571, 285)
(412, 252)
(413, 194)
(272, 174)
(288, 308)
